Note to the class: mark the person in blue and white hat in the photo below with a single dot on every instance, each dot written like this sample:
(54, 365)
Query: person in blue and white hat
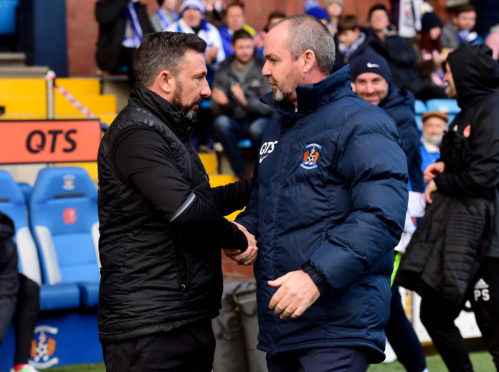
(192, 20)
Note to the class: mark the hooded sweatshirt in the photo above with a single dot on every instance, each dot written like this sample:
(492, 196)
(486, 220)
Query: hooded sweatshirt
(470, 149)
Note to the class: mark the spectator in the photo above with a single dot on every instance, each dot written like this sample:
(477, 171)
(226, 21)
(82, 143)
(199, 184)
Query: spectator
(352, 40)
(372, 82)
(319, 13)
(272, 19)
(461, 30)
(165, 15)
(487, 15)
(192, 21)
(431, 53)
(237, 88)
(334, 9)
(397, 51)
(455, 247)
(327, 208)
(122, 25)
(19, 299)
(434, 124)
(213, 11)
(234, 20)
(161, 225)
(406, 15)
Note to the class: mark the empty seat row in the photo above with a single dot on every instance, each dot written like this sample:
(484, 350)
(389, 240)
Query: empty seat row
(56, 234)
(446, 105)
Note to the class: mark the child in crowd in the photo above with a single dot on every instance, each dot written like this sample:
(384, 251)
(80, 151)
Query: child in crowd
(351, 38)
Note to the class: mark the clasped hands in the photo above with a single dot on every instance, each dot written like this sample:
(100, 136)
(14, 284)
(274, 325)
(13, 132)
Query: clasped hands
(248, 257)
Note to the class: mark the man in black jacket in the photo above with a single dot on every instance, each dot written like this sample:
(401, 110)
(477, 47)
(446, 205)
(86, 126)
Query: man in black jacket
(122, 26)
(161, 225)
(469, 170)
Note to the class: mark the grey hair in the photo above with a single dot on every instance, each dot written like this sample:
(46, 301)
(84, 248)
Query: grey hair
(163, 51)
(307, 32)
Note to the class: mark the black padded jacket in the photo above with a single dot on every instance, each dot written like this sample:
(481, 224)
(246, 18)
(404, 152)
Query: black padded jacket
(161, 225)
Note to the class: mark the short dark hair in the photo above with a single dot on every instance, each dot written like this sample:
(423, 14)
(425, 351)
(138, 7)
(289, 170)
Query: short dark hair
(271, 16)
(163, 51)
(347, 22)
(377, 7)
(241, 34)
(224, 12)
(307, 32)
(464, 9)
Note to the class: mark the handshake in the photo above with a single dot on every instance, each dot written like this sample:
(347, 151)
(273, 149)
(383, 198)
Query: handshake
(248, 256)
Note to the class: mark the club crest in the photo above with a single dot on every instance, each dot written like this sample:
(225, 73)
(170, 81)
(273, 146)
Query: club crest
(311, 156)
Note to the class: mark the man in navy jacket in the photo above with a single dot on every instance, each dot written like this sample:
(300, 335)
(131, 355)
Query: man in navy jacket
(372, 81)
(327, 207)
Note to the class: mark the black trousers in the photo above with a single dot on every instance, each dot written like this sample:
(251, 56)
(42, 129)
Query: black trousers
(402, 337)
(186, 349)
(326, 359)
(438, 314)
(25, 318)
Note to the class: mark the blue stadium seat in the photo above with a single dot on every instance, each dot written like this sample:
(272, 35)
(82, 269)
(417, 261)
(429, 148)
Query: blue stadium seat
(449, 106)
(12, 203)
(26, 190)
(419, 107)
(64, 221)
(8, 16)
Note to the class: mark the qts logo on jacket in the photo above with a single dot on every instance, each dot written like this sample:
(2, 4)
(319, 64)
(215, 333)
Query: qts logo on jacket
(266, 149)
(311, 156)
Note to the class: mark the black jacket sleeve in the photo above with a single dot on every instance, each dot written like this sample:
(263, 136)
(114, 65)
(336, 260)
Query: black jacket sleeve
(144, 160)
(106, 11)
(480, 174)
(232, 197)
(9, 278)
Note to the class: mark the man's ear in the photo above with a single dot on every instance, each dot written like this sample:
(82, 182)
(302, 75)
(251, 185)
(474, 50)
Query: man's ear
(165, 82)
(308, 60)
(352, 84)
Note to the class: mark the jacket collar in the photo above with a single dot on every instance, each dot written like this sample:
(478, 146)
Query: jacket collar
(312, 96)
(162, 109)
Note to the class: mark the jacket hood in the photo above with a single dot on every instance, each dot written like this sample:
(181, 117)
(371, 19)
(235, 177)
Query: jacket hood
(474, 71)
(312, 96)
(162, 109)
(397, 97)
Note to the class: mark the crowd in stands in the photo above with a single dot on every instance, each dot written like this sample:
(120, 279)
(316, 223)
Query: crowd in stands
(389, 68)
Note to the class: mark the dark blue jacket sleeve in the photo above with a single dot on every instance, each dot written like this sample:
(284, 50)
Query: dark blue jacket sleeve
(374, 168)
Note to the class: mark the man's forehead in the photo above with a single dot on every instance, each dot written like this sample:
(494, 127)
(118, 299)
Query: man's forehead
(369, 76)
(275, 42)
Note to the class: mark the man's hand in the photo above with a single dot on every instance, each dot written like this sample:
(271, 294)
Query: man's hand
(432, 170)
(238, 93)
(431, 187)
(296, 293)
(219, 96)
(211, 54)
(249, 256)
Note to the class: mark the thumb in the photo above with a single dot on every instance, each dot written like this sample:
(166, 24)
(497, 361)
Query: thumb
(277, 282)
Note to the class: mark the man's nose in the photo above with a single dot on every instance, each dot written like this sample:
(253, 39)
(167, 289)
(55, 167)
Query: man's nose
(266, 69)
(205, 89)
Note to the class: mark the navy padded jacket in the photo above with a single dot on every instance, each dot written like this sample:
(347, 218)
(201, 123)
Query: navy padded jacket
(330, 197)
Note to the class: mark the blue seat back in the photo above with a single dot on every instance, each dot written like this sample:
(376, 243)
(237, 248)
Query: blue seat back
(64, 221)
(419, 107)
(8, 16)
(447, 105)
(13, 204)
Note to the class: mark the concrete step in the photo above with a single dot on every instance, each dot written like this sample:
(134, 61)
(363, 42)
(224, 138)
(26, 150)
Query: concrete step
(23, 71)
(12, 59)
